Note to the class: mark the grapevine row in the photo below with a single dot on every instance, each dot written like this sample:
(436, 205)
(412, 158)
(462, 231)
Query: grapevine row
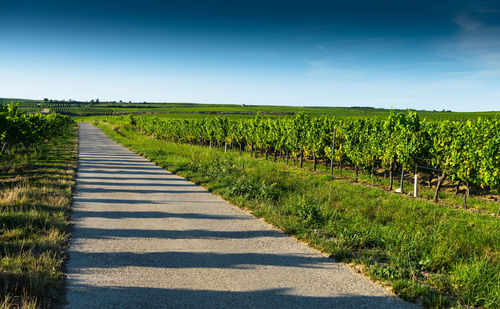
(18, 128)
(464, 151)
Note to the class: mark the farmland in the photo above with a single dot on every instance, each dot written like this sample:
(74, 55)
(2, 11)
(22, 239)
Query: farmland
(438, 255)
(190, 110)
(281, 169)
(454, 150)
(325, 175)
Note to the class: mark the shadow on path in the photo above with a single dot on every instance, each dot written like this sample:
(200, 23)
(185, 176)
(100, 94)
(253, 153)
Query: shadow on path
(115, 201)
(93, 233)
(146, 177)
(139, 191)
(128, 166)
(257, 299)
(101, 183)
(152, 215)
(179, 259)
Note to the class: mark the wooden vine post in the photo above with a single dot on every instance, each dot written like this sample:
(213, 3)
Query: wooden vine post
(333, 151)
(498, 211)
(232, 143)
(466, 195)
(391, 175)
(401, 184)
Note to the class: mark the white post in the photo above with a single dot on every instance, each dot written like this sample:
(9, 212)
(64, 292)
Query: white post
(415, 186)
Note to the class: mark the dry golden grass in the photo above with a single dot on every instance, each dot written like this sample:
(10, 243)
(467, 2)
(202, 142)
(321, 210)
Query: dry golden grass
(35, 196)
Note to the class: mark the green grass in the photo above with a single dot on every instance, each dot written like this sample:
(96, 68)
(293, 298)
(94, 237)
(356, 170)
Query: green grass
(35, 196)
(440, 256)
(447, 195)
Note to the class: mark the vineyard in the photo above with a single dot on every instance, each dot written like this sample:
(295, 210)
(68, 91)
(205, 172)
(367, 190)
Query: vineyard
(443, 256)
(466, 152)
(197, 110)
(21, 129)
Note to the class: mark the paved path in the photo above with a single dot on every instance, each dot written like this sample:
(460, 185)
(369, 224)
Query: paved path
(146, 238)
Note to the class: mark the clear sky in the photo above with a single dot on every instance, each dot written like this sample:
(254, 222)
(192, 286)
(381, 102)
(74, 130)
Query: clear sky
(402, 54)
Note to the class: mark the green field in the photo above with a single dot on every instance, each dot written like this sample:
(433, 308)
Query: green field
(189, 110)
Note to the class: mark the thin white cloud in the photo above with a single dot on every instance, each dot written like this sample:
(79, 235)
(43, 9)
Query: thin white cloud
(321, 63)
(477, 42)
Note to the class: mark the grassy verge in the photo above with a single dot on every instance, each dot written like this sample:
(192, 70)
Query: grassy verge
(35, 195)
(487, 204)
(436, 255)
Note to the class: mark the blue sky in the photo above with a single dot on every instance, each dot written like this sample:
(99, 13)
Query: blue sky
(402, 54)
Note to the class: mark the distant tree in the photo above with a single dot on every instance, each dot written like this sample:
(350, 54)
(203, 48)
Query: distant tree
(97, 100)
(45, 99)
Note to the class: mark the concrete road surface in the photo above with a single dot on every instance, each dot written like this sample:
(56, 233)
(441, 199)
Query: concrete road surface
(146, 238)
